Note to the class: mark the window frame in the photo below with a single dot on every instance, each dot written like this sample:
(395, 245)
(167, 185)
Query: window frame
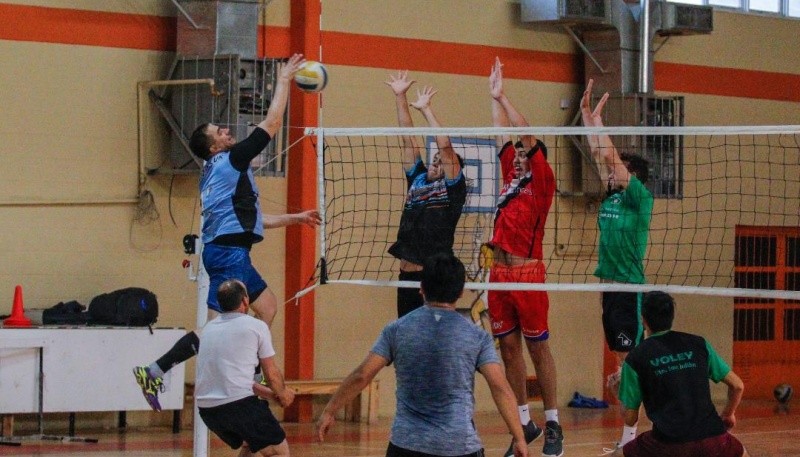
(783, 8)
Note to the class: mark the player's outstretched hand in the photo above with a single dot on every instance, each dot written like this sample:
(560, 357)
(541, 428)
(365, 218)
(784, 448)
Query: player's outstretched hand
(592, 118)
(309, 217)
(324, 424)
(399, 83)
(424, 97)
(287, 69)
(496, 79)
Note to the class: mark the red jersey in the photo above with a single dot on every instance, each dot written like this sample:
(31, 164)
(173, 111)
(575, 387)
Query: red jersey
(524, 203)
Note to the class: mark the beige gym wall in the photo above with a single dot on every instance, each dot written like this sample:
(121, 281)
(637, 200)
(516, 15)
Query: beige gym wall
(69, 180)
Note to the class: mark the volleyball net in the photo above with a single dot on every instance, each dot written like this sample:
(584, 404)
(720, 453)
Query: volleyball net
(725, 217)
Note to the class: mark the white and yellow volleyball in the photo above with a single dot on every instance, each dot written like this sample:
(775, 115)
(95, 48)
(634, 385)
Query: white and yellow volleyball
(312, 77)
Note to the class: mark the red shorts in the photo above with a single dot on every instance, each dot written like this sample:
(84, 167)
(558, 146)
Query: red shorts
(526, 309)
(646, 445)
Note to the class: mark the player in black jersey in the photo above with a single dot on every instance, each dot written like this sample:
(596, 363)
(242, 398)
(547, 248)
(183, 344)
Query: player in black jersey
(668, 373)
(435, 195)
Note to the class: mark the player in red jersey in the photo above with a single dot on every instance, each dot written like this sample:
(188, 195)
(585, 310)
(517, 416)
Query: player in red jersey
(528, 189)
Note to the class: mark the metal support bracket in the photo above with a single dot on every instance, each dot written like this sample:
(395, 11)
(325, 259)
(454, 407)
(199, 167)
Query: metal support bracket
(584, 48)
(186, 14)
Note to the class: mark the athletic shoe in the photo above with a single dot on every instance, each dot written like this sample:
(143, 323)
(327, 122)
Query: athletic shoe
(553, 440)
(532, 431)
(151, 386)
(607, 451)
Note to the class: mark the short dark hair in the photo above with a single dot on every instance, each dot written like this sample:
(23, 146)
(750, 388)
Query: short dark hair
(200, 143)
(658, 310)
(443, 277)
(636, 165)
(537, 146)
(230, 295)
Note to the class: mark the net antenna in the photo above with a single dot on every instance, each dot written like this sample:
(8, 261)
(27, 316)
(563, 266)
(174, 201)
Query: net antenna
(718, 180)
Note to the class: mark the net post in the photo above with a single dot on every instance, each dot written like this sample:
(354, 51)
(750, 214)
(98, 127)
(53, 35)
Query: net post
(323, 271)
(320, 133)
(200, 432)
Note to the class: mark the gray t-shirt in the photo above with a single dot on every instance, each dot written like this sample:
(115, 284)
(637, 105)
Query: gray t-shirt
(436, 353)
(231, 346)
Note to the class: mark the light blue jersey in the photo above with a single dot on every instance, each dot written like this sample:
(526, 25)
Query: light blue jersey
(230, 200)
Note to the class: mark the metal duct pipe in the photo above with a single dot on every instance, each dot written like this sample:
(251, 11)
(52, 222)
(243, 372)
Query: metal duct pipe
(644, 47)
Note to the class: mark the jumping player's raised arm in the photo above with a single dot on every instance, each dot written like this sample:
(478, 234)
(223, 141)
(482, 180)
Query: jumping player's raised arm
(277, 107)
(400, 84)
(504, 114)
(447, 155)
(603, 150)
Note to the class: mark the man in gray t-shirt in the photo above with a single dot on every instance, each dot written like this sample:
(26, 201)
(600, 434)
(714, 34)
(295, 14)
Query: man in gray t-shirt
(436, 353)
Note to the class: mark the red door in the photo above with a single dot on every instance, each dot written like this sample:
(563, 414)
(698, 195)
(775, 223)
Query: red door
(766, 333)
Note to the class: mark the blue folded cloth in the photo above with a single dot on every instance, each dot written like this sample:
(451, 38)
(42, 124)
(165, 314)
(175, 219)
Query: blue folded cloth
(579, 401)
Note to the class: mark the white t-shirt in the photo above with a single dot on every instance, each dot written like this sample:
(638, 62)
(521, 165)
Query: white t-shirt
(230, 348)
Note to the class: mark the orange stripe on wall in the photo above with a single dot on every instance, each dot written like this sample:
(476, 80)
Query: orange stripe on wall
(430, 56)
(442, 57)
(91, 28)
(157, 33)
(729, 82)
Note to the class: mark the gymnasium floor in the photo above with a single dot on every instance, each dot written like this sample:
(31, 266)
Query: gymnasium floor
(764, 432)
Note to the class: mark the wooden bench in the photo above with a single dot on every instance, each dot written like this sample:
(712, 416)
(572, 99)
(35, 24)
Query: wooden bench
(352, 411)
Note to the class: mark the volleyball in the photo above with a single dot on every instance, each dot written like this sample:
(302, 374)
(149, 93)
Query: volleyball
(783, 393)
(312, 77)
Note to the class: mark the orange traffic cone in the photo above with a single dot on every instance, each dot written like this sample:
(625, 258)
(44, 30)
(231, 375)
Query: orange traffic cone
(17, 318)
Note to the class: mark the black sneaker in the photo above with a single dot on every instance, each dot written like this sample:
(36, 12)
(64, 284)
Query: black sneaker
(553, 440)
(532, 431)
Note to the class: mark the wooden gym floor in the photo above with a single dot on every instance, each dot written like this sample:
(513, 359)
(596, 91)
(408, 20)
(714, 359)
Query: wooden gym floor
(764, 430)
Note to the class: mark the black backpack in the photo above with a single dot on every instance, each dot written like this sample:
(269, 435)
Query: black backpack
(132, 306)
(69, 313)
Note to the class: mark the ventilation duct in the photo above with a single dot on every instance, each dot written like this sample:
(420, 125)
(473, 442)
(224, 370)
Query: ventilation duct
(572, 12)
(217, 40)
(613, 35)
(617, 40)
(211, 27)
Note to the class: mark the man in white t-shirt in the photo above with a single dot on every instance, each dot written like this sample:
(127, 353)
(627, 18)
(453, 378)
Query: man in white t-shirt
(233, 344)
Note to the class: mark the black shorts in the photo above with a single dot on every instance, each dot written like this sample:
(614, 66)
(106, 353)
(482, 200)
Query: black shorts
(248, 420)
(622, 321)
(396, 451)
(408, 298)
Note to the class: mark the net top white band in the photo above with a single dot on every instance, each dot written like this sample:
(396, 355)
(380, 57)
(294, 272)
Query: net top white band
(597, 287)
(511, 131)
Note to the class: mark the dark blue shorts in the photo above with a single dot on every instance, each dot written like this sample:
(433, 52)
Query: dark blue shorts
(230, 262)
(248, 420)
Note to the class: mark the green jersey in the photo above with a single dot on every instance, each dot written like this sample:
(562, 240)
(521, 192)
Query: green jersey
(624, 222)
